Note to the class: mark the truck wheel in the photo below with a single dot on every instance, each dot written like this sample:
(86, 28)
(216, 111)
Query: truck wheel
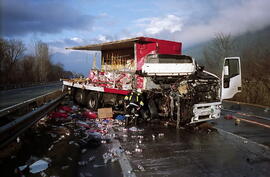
(79, 97)
(152, 109)
(92, 101)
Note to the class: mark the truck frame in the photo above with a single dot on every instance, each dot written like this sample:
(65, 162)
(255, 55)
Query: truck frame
(173, 86)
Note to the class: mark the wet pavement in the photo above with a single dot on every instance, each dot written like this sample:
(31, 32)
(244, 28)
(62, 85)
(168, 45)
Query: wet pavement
(193, 153)
(152, 149)
(14, 96)
(255, 111)
(252, 131)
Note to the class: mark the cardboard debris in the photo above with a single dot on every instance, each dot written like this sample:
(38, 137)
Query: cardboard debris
(105, 113)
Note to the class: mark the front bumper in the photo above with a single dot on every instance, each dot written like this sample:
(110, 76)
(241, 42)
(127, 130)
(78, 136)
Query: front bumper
(205, 112)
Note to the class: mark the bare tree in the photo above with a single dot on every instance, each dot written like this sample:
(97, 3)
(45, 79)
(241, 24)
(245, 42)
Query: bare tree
(220, 47)
(43, 62)
(10, 52)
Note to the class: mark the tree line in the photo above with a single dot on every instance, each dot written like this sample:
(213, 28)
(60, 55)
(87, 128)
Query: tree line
(255, 57)
(19, 68)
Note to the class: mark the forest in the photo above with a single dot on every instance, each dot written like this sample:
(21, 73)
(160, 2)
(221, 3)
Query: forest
(254, 50)
(18, 69)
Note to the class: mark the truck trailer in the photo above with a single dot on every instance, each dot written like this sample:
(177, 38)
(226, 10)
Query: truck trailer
(174, 87)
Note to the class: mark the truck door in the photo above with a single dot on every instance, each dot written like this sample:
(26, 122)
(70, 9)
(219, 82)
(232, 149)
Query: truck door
(231, 77)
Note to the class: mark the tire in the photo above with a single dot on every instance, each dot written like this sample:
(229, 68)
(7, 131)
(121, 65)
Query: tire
(80, 96)
(92, 101)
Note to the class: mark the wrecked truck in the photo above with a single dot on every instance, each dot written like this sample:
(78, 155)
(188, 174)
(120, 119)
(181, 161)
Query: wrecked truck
(173, 86)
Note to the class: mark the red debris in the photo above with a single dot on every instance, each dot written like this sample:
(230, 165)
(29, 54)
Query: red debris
(228, 117)
(66, 108)
(58, 115)
(90, 115)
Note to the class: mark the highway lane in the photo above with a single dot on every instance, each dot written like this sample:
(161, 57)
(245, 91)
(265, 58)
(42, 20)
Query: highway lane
(14, 96)
(256, 126)
(194, 153)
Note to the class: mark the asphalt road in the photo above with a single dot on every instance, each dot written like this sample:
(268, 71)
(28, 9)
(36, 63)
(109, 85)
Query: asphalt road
(184, 153)
(14, 96)
(256, 131)
(231, 150)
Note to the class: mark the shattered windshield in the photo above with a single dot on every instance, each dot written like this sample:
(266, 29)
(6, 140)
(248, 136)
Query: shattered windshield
(168, 59)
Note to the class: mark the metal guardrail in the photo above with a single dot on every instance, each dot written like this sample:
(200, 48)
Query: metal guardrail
(36, 101)
(13, 129)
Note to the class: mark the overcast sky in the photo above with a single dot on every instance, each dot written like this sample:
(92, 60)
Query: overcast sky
(65, 23)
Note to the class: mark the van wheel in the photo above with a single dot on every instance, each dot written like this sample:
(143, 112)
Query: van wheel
(79, 97)
(92, 101)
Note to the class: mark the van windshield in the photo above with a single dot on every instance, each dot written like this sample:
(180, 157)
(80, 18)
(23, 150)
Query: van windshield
(161, 58)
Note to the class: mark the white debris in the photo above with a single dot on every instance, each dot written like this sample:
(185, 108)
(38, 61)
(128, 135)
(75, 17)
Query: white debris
(97, 166)
(64, 167)
(83, 151)
(140, 167)
(51, 147)
(69, 158)
(18, 139)
(128, 152)
(21, 168)
(161, 134)
(43, 174)
(70, 142)
(133, 129)
(82, 163)
(91, 158)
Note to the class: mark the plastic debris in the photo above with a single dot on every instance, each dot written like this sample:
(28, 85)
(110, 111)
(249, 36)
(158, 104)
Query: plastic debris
(82, 163)
(97, 166)
(120, 117)
(133, 129)
(83, 151)
(43, 174)
(64, 167)
(39, 166)
(51, 147)
(83, 124)
(70, 142)
(153, 137)
(69, 158)
(58, 115)
(21, 168)
(140, 167)
(65, 108)
(237, 121)
(161, 134)
(128, 152)
(91, 158)
(90, 115)
(228, 117)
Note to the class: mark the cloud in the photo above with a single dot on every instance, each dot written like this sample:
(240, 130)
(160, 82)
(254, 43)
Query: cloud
(245, 16)
(155, 25)
(201, 23)
(30, 16)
